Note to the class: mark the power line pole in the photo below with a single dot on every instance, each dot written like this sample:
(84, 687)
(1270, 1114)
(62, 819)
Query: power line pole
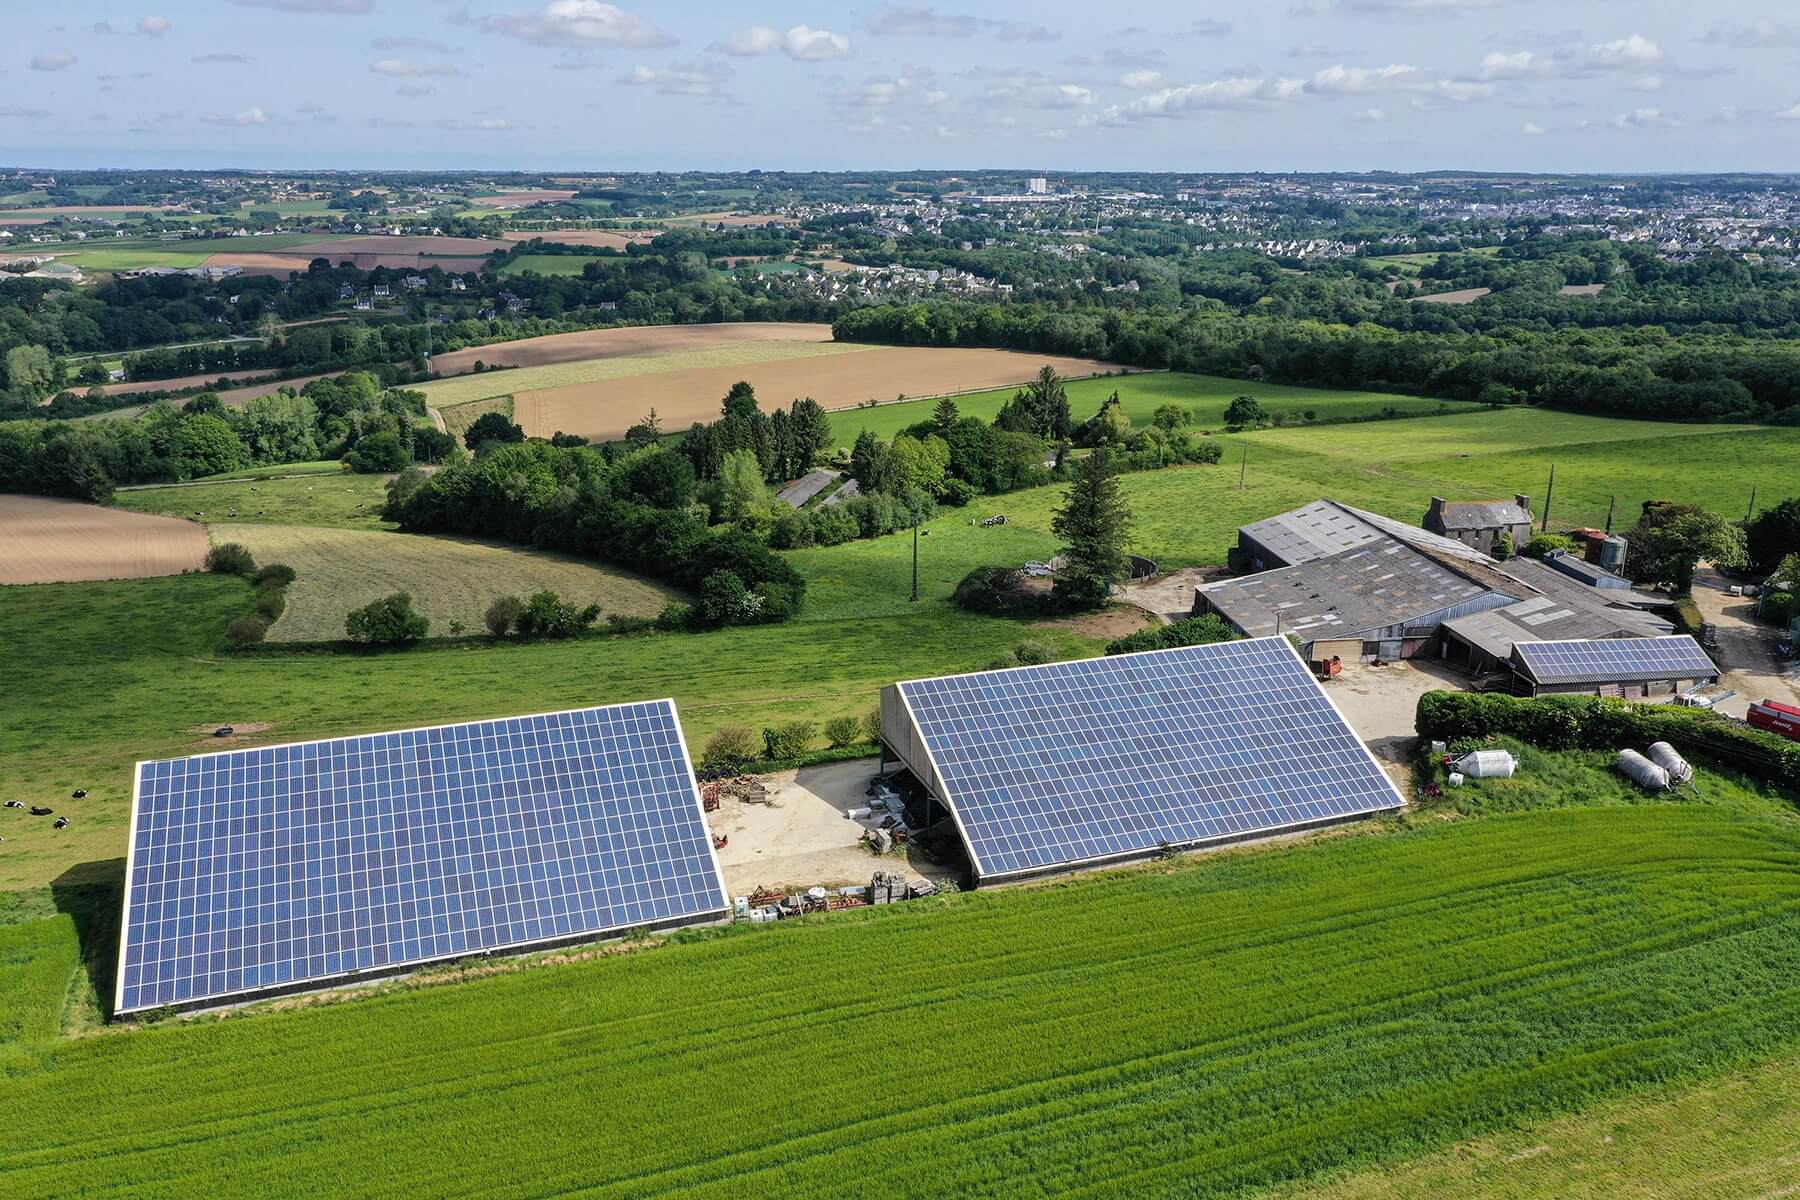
(915, 591)
(1549, 490)
(1751, 511)
(1243, 466)
(1611, 501)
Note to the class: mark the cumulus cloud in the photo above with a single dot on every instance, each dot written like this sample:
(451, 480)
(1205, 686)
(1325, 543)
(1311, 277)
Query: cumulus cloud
(1626, 54)
(154, 26)
(894, 20)
(1248, 92)
(217, 57)
(341, 7)
(477, 125)
(698, 78)
(1142, 81)
(401, 68)
(1761, 34)
(1532, 129)
(801, 43)
(250, 116)
(579, 23)
(54, 61)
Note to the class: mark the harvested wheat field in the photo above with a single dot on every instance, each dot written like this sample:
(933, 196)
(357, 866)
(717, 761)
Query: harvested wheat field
(605, 409)
(444, 247)
(610, 239)
(623, 341)
(1460, 296)
(466, 389)
(48, 540)
(450, 579)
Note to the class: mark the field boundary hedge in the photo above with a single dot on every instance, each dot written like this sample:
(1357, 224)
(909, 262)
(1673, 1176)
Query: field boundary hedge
(1596, 723)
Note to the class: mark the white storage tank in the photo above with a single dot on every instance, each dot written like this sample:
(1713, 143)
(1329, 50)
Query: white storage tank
(1487, 764)
(1642, 771)
(1666, 757)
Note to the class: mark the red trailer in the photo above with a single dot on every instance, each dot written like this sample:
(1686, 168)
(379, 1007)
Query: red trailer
(1776, 718)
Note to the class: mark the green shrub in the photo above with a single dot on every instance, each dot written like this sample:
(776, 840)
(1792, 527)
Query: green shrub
(389, 621)
(231, 558)
(1004, 662)
(1543, 545)
(791, 530)
(871, 725)
(731, 746)
(832, 525)
(843, 731)
(789, 740)
(1001, 592)
(270, 603)
(502, 615)
(1031, 654)
(1595, 723)
(275, 575)
(548, 615)
(1193, 631)
(675, 617)
(245, 630)
(1781, 608)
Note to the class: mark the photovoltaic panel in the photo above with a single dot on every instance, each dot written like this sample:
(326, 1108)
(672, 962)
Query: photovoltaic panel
(1615, 660)
(1078, 762)
(277, 867)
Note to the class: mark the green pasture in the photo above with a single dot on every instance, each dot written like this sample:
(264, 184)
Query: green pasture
(342, 501)
(546, 264)
(1204, 396)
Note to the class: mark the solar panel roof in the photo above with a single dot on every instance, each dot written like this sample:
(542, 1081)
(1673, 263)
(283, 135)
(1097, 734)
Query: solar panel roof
(1620, 660)
(1079, 762)
(277, 867)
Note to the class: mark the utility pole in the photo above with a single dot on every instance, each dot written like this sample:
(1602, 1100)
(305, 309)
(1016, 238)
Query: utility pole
(1750, 512)
(1610, 502)
(915, 591)
(1549, 489)
(1243, 466)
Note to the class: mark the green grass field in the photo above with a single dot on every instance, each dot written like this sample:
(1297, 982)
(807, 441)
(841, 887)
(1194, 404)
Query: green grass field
(341, 501)
(1204, 396)
(546, 264)
(1207, 1028)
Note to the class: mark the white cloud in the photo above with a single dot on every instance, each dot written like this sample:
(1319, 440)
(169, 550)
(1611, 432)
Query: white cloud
(895, 20)
(400, 68)
(479, 125)
(579, 23)
(54, 61)
(1142, 81)
(1761, 34)
(1633, 53)
(154, 26)
(1370, 116)
(250, 116)
(1647, 83)
(1787, 114)
(802, 43)
(698, 78)
(1532, 129)
(1643, 118)
(1391, 8)
(342, 7)
(1248, 92)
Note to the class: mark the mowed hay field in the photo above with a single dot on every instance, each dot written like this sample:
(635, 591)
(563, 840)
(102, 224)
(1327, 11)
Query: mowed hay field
(449, 578)
(48, 540)
(626, 341)
(1210, 1027)
(605, 409)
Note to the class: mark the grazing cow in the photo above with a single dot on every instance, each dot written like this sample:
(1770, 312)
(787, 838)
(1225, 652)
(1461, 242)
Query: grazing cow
(60, 823)
(15, 804)
(81, 793)
(38, 810)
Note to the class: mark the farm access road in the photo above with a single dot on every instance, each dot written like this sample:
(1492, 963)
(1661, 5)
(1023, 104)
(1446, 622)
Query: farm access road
(1746, 647)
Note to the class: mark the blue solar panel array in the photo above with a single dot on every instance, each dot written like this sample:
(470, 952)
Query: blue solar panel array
(1077, 762)
(273, 868)
(1615, 660)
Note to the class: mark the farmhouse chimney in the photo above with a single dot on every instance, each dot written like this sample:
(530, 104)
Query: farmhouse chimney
(1522, 500)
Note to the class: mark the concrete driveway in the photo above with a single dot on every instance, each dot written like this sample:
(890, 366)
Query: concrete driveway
(1746, 646)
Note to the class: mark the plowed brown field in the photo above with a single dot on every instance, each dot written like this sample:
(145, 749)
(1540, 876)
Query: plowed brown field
(626, 341)
(606, 409)
(605, 238)
(47, 540)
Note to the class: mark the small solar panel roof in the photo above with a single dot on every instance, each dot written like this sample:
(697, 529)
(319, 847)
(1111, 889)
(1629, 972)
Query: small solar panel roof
(279, 867)
(1080, 762)
(1614, 660)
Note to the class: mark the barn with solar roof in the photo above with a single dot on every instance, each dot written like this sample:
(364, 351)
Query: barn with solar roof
(1076, 764)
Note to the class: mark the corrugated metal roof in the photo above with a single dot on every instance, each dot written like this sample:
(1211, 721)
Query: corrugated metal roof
(1482, 514)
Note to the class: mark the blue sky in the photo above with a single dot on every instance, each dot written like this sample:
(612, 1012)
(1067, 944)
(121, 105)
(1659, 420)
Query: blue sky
(1557, 85)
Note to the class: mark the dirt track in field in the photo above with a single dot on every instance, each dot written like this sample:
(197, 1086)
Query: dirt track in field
(47, 540)
(625, 342)
(606, 409)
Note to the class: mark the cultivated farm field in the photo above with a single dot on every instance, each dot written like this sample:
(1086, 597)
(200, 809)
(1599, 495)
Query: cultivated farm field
(1216, 1026)
(451, 579)
(604, 409)
(48, 540)
(626, 341)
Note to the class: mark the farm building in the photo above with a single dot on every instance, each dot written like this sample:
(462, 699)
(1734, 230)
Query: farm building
(1481, 523)
(1066, 765)
(1592, 574)
(1361, 587)
(281, 868)
(1633, 669)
